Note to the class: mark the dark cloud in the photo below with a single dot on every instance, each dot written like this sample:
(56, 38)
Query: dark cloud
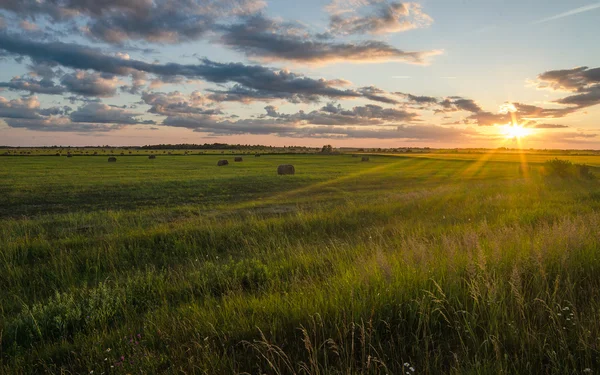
(457, 103)
(33, 86)
(239, 93)
(265, 39)
(532, 111)
(61, 124)
(485, 118)
(590, 96)
(575, 79)
(254, 79)
(116, 21)
(381, 17)
(336, 115)
(582, 81)
(418, 99)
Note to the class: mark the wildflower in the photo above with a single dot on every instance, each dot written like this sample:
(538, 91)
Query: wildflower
(108, 350)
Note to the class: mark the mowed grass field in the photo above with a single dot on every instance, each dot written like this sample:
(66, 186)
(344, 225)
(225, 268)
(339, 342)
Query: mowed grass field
(428, 265)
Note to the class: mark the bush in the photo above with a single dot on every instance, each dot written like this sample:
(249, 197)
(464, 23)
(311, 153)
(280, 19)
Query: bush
(559, 167)
(584, 171)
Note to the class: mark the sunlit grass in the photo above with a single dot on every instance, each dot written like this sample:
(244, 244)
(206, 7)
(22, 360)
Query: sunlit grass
(176, 265)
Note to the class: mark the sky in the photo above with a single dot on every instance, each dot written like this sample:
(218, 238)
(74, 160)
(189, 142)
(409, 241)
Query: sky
(351, 73)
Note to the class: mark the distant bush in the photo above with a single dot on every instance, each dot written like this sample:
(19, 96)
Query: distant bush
(564, 169)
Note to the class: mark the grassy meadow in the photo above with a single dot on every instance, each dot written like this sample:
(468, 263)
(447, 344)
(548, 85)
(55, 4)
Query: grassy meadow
(406, 264)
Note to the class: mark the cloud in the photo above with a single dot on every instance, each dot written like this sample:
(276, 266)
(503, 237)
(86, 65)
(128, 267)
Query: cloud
(84, 83)
(576, 79)
(383, 17)
(61, 124)
(330, 121)
(589, 97)
(571, 12)
(549, 126)
(33, 86)
(265, 39)
(117, 21)
(336, 115)
(174, 103)
(253, 79)
(582, 81)
(282, 128)
(418, 99)
(105, 114)
(20, 108)
(26, 113)
(519, 113)
(457, 103)
(532, 111)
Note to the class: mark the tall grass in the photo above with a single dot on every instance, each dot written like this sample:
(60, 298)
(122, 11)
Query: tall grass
(400, 268)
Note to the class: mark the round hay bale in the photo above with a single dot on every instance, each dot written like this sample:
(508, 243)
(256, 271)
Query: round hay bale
(365, 158)
(222, 162)
(152, 157)
(238, 158)
(112, 159)
(257, 156)
(286, 169)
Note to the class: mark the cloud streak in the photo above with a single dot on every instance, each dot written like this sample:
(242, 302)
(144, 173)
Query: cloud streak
(569, 13)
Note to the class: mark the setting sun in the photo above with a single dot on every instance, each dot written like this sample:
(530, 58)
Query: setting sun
(516, 131)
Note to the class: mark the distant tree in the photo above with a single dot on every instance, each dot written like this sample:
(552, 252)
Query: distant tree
(327, 149)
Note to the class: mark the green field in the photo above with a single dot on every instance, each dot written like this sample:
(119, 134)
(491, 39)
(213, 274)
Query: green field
(426, 264)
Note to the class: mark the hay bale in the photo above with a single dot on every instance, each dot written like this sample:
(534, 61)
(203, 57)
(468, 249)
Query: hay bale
(112, 159)
(257, 155)
(222, 162)
(286, 169)
(238, 158)
(152, 157)
(365, 158)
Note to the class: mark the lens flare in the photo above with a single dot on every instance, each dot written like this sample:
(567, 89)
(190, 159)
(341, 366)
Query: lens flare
(516, 131)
